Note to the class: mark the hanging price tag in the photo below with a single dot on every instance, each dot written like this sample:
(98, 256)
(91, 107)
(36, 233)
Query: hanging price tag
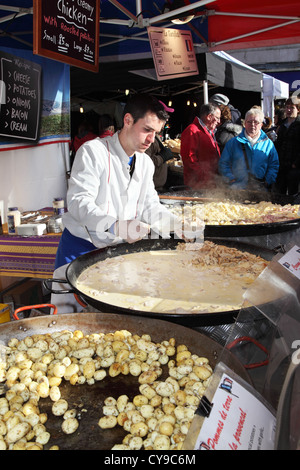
(291, 261)
(238, 418)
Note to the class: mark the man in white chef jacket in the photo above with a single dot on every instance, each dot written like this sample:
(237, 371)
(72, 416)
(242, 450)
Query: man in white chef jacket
(111, 196)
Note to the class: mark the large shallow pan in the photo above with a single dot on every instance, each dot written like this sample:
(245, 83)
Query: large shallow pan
(247, 230)
(90, 399)
(188, 319)
(220, 194)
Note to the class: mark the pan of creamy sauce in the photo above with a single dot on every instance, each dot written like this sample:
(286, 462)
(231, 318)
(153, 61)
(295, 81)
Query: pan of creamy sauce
(168, 279)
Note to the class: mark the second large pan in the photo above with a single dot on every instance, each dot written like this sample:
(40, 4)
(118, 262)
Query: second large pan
(244, 197)
(188, 319)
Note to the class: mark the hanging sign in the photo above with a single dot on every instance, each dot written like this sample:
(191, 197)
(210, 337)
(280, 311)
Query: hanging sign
(238, 420)
(173, 53)
(291, 261)
(67, 31)
(20, 97)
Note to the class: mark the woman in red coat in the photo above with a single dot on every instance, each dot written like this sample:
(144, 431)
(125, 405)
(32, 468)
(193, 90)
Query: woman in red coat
(199, 149)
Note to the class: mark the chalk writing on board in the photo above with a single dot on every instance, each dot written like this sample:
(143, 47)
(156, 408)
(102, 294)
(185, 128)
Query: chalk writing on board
(20, 97)
(68, 30)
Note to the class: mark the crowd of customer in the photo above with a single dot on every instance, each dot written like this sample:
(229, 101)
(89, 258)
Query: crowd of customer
(254, 153)
(222, 147)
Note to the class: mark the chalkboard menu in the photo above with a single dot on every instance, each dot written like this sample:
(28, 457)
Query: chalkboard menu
(20, 97)
(67, 31)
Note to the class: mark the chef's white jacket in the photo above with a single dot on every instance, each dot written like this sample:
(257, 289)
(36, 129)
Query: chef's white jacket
(101, 191)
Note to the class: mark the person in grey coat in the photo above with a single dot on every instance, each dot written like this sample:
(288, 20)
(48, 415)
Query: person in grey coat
(220, 99)
(227, 129)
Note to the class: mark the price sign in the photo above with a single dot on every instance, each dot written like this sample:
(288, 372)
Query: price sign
(291, 261)
(67, 31)
(173, 53)
(238, 420)
(20, 93)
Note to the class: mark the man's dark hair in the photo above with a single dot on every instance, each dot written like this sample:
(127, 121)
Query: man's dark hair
(140, 104)
(206, 109)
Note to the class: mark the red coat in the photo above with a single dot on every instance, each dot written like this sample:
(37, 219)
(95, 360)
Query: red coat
(106, 133)
(79, 140)
(200, 156)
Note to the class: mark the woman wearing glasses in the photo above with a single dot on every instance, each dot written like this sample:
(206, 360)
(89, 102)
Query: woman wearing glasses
(250, 160)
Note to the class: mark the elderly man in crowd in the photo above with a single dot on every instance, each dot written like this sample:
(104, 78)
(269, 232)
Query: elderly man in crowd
(199, 149)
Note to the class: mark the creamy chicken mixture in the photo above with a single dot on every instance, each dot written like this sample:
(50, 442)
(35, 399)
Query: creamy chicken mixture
(210, 279)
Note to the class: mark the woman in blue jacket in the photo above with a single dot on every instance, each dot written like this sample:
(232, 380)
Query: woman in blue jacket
(250, 160)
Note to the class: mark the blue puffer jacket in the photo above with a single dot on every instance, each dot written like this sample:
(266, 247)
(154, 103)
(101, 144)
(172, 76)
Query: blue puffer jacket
(262, 157)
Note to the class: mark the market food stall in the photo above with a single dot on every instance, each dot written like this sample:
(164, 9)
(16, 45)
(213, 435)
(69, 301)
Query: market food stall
(134, 351)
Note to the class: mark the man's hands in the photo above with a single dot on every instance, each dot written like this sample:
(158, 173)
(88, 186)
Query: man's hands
(131, 230)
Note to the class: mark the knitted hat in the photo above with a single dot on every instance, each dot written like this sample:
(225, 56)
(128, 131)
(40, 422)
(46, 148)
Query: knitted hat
(220, 99)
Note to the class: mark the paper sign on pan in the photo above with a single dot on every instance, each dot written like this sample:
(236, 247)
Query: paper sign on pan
(238, 421)
(291, 261)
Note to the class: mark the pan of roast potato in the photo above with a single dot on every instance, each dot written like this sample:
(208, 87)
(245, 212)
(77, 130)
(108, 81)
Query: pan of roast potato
(102, 381)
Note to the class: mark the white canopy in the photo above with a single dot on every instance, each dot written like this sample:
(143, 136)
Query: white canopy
(272, 88)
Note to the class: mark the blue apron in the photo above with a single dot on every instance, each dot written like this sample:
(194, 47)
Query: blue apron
(70, 247)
